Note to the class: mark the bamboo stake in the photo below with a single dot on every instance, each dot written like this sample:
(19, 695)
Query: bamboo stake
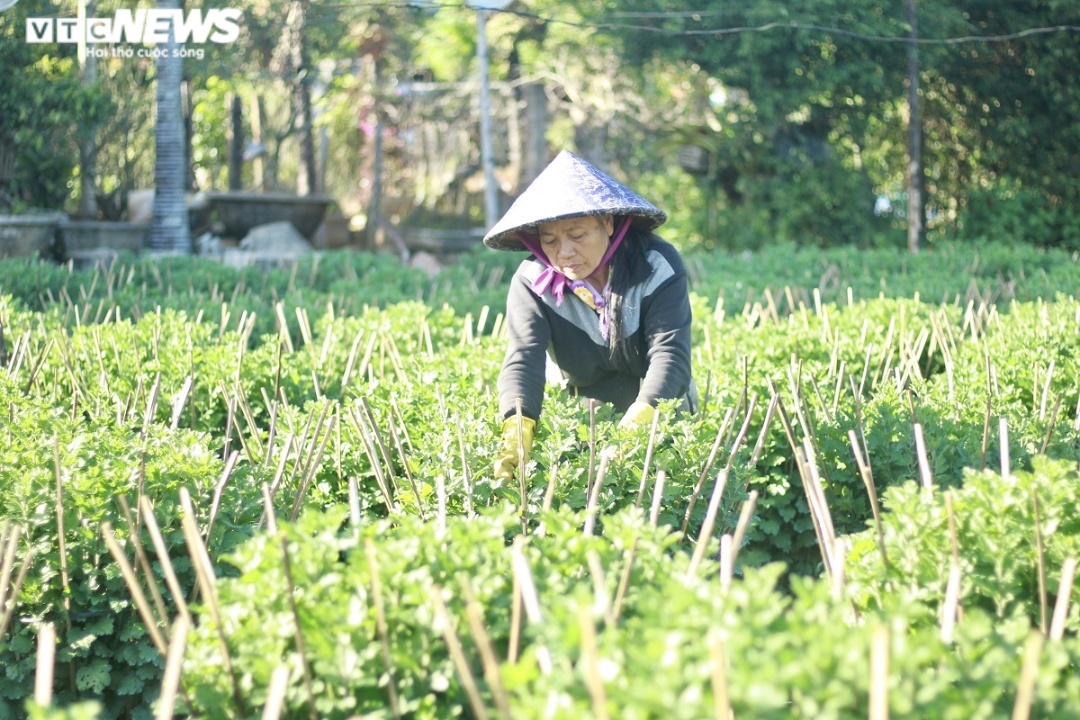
(313, 466)
(9, 541)
(1003, 434)
(774, 402)
(879, 673)
(457, 655)
(171, 581)
(1061, 605)
(529, 598)
(705, 535)
(180, 401)
(648, 458)
(173, 667)
(298, 636)
(924, 462)
(871, 491)
(381, 626)
(13, 597)
(275, 696)
(727, 566)
(515, 611)
(721, 434)
(141, 603)
(144, 562)
(488, 658)
(1052, 424)
(466, 476)
(624, 582)
(591, 665)
(1040, 561)
(718, 679)
(46, 661)
(657, 497)
(60, 535)
(219, 489)
(745, 517)
(408, 471)
(592, 506)
(1025, 691)
(204, 574)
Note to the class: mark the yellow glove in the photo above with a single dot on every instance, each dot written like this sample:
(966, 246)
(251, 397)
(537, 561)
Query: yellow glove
(640, 413)
(507, 461)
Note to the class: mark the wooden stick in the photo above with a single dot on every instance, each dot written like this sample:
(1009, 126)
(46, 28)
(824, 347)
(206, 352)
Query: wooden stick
(708, 526)
(13, 598)
(171, 581)
(718, 678)
(657, 497)
(144, 563)
(46, 661)
(488, 658)
(624, 581)
(219, 489)
(774, 402)
(591, 664)
(298, 636)
(204, 574)
(529, 598)
(457, 656)
(275, 696)
(141, 603)
(879, 673)
(1025, 691)
(1040, 561)
(745, 517)
(1003, 434)
(721, 434)
(925, 476)
(592, 506)
(1061, 605)
(381, 626)
(60, 534)
(173, 666)
(648, 458)
(871, 491)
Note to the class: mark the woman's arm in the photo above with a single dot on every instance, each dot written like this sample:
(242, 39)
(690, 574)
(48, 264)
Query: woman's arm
(522, 374)
(666, 324)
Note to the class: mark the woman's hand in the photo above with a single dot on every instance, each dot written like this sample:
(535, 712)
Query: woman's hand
(509, 458)
(640, 413)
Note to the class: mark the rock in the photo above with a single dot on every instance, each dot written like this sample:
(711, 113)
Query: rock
(427, 262)
(208, 244)
(140, 206)
(278, 237)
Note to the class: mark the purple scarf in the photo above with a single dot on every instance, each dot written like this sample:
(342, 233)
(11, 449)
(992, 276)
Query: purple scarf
(553, 280)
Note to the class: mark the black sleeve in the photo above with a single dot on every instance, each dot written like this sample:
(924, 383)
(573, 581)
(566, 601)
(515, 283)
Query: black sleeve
(666, 320)
(522, 374)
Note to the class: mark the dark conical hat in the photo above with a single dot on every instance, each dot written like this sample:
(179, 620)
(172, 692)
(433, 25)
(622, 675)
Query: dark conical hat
(569, 187)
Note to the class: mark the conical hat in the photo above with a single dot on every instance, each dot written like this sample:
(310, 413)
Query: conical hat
(569, 187)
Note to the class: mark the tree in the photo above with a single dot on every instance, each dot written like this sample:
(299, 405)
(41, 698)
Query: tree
(169, 232)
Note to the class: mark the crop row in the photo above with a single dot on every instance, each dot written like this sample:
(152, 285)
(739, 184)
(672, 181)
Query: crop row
(368, 430)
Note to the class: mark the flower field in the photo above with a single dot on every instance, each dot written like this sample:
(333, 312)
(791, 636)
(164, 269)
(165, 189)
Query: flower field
(233, 494)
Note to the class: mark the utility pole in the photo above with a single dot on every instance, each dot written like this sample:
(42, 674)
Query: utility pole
(487, 159)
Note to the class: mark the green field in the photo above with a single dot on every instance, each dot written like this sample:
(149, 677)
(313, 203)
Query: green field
(875, 508)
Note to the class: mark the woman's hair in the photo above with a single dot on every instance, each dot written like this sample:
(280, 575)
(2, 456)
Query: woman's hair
(627, 264)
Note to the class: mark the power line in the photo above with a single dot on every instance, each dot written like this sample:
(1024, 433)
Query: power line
(717, 31)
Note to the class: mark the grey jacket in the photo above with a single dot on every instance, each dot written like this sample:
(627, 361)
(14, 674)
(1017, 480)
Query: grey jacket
(656, 321)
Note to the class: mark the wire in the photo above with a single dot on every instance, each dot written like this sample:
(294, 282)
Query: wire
(715, 32)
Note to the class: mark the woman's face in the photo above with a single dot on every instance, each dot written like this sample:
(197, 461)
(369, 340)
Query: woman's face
(576, 246)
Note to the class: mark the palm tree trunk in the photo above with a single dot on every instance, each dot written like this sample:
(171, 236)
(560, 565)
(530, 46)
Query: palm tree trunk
(169, 232)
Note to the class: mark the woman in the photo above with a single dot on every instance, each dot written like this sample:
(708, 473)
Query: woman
(622, 332)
